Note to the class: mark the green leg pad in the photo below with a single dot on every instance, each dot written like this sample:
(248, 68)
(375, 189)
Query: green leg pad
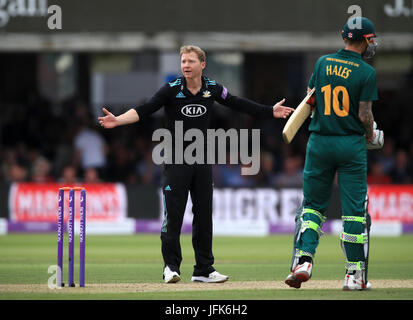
(354, 251)
(307, 233)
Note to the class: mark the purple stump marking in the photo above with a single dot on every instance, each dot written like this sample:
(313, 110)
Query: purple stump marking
(71, 235)
(60, 222)
(82, 238)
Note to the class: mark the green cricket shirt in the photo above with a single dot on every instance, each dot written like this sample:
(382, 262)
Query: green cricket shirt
(341, 80)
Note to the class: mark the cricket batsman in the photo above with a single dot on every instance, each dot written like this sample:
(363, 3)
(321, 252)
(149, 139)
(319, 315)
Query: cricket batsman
(342, 129)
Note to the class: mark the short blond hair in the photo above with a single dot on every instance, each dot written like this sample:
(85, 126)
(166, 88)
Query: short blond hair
(191, 48)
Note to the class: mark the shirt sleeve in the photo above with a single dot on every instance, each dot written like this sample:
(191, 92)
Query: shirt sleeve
(313, 79)
(160, 98)
(369, 89)
(242, 104)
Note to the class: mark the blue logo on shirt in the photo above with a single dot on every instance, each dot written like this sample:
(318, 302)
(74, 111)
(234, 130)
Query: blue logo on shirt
(177, 82)
(180, 95)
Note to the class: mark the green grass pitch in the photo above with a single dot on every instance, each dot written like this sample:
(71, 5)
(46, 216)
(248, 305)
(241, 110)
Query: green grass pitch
(136, 259)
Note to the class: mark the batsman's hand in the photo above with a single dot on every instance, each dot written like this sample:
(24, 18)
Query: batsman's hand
(377, 140)
(109, 121)
(280, 111)
(311, 101)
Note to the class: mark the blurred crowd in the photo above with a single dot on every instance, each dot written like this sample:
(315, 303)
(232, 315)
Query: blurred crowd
(41, 143)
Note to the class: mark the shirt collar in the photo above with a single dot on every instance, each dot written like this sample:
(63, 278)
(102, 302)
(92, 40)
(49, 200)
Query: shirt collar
(349, 53)
(203, 86)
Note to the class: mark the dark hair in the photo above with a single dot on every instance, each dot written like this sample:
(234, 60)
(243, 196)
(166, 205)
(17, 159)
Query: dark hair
(354, 42)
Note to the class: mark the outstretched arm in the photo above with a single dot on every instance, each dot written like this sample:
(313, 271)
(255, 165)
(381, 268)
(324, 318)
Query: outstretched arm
(280, 111)
(253, 108)
(110, 121)
(135, 114)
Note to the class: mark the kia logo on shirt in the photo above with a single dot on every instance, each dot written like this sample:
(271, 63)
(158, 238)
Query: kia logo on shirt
(193, 110)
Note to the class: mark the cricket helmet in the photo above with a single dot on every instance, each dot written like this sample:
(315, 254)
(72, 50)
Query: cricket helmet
(358, 28)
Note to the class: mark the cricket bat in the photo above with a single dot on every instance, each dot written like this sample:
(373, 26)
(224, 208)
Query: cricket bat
(297, 119)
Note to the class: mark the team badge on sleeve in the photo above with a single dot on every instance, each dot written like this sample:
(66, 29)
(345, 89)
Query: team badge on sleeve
(224, 93)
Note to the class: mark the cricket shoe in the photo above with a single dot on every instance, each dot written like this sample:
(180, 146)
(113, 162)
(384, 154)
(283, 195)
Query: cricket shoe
(213, 277)
(170, 276)
(354, 281)
(301, 273)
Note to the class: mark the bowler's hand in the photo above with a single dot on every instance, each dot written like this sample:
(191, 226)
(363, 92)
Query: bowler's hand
(280, 111)
(108, 121)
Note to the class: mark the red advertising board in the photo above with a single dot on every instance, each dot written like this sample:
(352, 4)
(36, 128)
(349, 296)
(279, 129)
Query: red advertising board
(31, 202)
(391, 202)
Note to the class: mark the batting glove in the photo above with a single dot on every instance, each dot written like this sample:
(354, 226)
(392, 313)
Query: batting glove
(378, 140)
(312, 102)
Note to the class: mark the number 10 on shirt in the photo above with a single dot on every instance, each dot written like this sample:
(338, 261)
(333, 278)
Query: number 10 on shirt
(345, 100)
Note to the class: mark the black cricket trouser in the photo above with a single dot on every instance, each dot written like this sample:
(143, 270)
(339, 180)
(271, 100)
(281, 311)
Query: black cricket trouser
(179, 179)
